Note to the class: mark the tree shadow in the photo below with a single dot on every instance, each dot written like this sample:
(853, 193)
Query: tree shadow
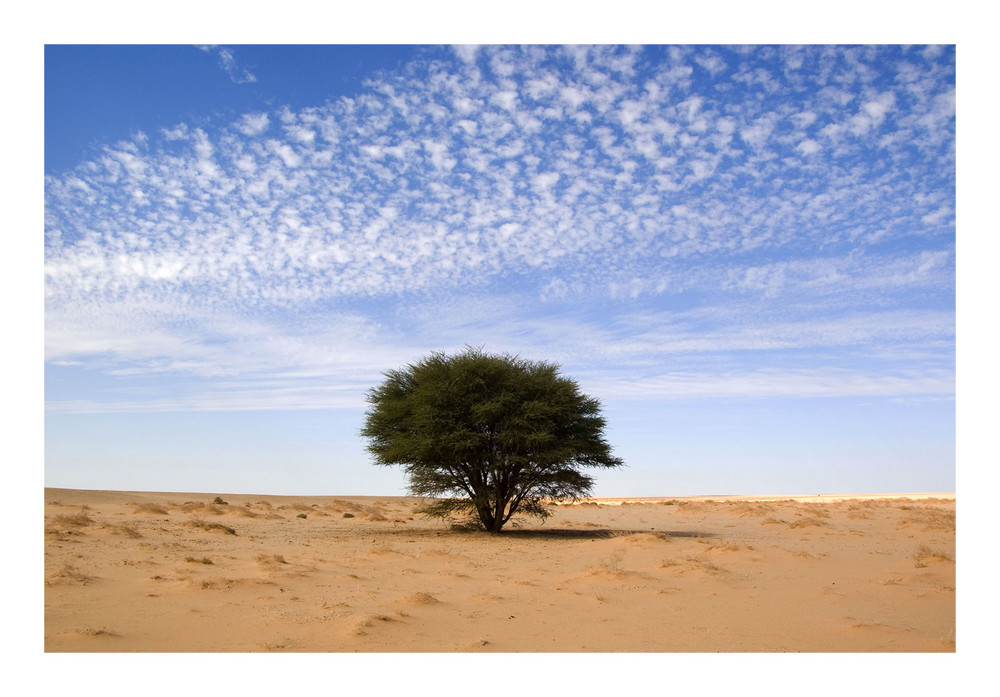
(526, 533)
(595, 534)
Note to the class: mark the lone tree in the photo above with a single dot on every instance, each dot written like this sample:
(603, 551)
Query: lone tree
(493, 434)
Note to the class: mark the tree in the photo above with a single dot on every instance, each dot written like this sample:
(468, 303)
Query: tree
(493, 434)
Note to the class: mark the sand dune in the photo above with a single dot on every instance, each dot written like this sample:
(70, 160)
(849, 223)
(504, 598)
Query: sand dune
(134, 571)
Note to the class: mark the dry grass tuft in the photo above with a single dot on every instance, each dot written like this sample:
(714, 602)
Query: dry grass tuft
(153, 508)
(127, 529)
(726, 547)
(696, 563)
(192, 506)
(861, 504)
(690, 506)
(296, 507)
(70, 573)
(749, 509)
(374, 514)
(369, 622)
(203, 560)
(706, 565)
(99, 632)
(423, 599)
(925, 554)
(611, 565)
(74, 520)
(929, 518)
(211, 527)
(809, 522)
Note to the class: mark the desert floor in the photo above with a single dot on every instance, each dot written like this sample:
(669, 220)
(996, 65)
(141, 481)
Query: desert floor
(157, 572)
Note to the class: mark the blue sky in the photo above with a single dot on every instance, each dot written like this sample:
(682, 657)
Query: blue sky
(748, 254)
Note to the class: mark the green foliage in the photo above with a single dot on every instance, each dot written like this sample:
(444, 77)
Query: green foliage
(493, 435)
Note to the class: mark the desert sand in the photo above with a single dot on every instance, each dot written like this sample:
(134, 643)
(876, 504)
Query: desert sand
(175, 572)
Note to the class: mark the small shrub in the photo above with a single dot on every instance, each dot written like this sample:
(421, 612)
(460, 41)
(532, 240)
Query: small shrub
(706, 565)
(301, 515)
(808, 522)
(348, 515)
(202, 525)
(99, 632)
(75, 520)
(218, 500)
(125, 529)
(151, 508)
(71, 573)
(925, 554)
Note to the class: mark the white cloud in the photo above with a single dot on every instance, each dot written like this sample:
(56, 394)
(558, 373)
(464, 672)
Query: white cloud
(253, 124)
(604, 178)
(237, 73)
(808, 147)
(776, 384)
(711, 62)
(756, 134)
(878, 107)
(467, 52)
(544, 182)
(506, 100)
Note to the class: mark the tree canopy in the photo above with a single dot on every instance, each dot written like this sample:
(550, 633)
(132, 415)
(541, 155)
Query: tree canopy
(493, 434)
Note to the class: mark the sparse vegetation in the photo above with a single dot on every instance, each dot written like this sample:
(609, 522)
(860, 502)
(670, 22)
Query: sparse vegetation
(153, 508)
(588, 562)
(99, 632)
(202, 525)
(706, 565)
(929, 518)
(808, 522)
(73, 520)
(127, 529)
(72, 574)
(925, 554)
(612, 564)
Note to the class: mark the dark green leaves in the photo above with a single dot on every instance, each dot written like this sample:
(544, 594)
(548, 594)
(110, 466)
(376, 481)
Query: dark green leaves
(499, 430)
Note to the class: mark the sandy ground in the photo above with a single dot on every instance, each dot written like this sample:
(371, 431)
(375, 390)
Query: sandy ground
(169, 572)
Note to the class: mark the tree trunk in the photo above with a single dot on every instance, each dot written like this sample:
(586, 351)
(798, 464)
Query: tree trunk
(485, 515)
(498, 519)
(491, 516)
